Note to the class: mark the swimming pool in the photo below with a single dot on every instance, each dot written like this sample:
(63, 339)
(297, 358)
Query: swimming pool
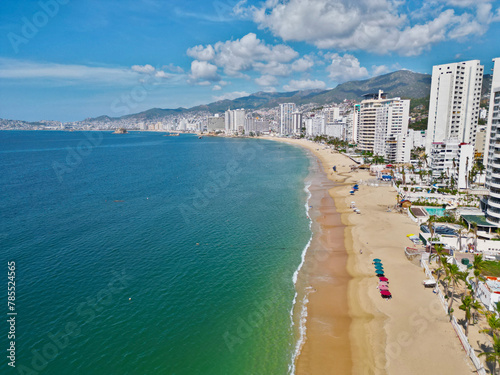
(435, 211)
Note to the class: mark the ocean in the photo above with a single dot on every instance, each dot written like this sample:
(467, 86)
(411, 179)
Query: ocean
(146, 254)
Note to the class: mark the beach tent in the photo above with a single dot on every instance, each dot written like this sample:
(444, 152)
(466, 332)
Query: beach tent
(380, 273)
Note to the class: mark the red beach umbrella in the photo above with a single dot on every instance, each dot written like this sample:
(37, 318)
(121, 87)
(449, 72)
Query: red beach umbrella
(385, 293)
(383, 278)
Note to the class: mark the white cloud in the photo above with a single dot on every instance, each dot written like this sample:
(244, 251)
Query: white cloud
(203, 71)
(231, 95)
(306, 84)
(378, 26)
(173, 68)
(345, 68)
(266, 80)
(66, 73)
(378, 70)
(303, 64)
(245, 54)
(216, 88)
(143, 68)
(201, 53)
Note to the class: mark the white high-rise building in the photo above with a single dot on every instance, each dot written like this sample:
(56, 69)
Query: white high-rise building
(492, 150)
(286, 118)
(297, 123)
(331, 114)
(379, 118)
(234, 120)
(454, 102)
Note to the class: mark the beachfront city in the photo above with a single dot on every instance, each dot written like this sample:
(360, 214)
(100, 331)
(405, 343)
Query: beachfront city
(250, 187)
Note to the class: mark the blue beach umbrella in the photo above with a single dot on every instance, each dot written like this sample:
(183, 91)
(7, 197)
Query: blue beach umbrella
(379, 265)
(377, 260)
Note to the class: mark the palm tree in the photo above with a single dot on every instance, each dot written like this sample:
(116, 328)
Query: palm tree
(430, 221)
(454, 277)
(467, 307)
(478, 265)
(493, 323)
(439, 255)
(494, 355)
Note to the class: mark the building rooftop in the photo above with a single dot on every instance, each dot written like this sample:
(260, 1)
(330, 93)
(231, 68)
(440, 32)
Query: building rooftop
(480, 220)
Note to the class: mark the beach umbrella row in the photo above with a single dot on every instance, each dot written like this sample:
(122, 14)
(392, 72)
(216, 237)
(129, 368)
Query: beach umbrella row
(383, 284)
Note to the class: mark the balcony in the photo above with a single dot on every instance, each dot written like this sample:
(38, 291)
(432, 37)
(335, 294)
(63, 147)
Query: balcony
(493, 214)
(492, 203)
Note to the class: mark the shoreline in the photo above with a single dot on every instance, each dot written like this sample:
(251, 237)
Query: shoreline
(409, 334)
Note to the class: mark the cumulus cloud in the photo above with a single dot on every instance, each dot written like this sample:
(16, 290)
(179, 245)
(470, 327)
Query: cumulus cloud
(380, 69)
(143, 68)
(201, 53)
(151, 70)
(266, 80)
(216, 88)
(303, 64)
(231, 95)
(203, 72)
(306, 84)
(379, 26)
(245, 54)
(345, 68)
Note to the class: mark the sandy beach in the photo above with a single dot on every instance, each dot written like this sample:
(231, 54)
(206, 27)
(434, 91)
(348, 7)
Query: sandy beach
(350, 328)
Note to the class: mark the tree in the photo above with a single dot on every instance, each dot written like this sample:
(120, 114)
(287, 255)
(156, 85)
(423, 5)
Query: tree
(478, 265)
(494, 355)
(454, 277)
(468, 305)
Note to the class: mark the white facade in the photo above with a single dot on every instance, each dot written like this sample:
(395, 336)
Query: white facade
(234, 120)
(380, 118)
(331, 114)
(452, 159)
(315, 126)
(297, 123)
(336, 129)
(454, 102)
(417, 138)
(215, 123)
(492, 150)
(286, 118)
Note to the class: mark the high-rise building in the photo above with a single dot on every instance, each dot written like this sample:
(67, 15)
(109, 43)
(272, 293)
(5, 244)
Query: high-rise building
(454, 102)
(379, 118)
(492, 150)
(234, 120)
(297, 123)
(286, 118)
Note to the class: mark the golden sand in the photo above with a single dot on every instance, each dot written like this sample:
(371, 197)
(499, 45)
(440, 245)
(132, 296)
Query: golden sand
(350, 328)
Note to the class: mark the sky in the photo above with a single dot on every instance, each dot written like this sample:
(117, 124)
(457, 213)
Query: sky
(67, 60)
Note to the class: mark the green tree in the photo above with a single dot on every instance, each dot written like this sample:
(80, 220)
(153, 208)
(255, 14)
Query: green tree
(494, 355)
(468, 306)
(454, 277)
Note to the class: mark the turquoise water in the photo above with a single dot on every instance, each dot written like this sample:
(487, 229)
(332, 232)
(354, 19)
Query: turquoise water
(435, 211)
(144, 254)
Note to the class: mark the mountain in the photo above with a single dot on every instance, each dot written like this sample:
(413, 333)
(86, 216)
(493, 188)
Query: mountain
(403, 83)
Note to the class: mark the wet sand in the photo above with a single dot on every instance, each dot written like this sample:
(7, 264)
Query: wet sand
(350, 328)
(325, 279)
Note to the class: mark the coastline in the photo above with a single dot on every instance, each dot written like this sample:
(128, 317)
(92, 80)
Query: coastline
(409, 334)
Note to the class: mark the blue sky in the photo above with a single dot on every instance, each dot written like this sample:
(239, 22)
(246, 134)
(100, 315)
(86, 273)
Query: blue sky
(67, 60)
